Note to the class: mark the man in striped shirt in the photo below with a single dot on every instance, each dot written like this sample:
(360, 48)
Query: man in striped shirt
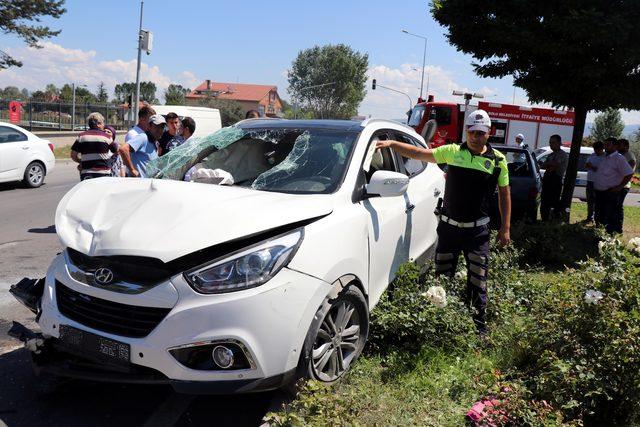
(93, 149)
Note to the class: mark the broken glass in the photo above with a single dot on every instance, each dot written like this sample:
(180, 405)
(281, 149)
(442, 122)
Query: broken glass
(176, 163)
(287, 160)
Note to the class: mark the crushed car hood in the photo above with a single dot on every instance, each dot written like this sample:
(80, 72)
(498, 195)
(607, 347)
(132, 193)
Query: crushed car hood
(167, 219)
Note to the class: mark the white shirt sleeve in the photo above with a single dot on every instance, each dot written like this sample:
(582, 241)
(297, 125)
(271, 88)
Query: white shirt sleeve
(623, 166)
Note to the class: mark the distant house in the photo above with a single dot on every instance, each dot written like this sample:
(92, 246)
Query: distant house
(263, 98)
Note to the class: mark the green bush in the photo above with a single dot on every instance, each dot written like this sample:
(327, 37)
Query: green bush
(405, 318)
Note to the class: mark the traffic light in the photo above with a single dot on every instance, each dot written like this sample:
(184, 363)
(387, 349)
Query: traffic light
(373, 84)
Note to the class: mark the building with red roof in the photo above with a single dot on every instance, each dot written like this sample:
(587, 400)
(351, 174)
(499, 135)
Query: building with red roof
(263, 98)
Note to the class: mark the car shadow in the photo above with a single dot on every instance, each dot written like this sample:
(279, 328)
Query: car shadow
(47, 230)
(16, 185)
(29, 400)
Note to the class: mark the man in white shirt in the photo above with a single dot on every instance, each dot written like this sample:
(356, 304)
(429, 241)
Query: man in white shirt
(593, 162)
(623, 149)
(143, 123)
(613, 174)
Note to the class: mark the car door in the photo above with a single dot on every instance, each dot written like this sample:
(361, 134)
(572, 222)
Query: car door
(386, 219)
(426, 186)
(14, 148)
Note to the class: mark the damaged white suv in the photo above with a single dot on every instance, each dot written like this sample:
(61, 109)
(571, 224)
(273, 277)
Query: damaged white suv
(244, 286)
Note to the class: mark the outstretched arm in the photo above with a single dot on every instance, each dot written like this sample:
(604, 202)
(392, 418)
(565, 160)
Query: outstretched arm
(408, 150)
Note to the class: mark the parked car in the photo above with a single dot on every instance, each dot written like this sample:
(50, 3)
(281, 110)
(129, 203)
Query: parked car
(525, 181)
(580, 189)
(24, 156)
(231, 288)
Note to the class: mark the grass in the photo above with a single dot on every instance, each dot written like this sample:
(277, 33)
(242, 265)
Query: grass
(631, 225)
(63, 152)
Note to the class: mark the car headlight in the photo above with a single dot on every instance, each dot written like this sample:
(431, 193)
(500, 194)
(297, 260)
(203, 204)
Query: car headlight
(247, 268)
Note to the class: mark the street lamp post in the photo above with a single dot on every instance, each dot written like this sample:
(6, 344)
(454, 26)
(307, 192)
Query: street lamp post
(424, 57)
(135, 108)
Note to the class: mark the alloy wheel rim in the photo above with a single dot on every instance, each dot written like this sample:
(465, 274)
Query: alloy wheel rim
(35, 174)
(336, 342)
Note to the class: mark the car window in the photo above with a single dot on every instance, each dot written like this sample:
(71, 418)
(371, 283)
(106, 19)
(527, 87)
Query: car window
(416, 115)
(8, 134)
(442, 115)
(518, 164)
(382, 159)
(412, 167)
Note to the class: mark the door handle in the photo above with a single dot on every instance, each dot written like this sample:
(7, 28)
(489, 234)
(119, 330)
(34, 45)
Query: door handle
(436, 192)
(410, 207)
(25, 148)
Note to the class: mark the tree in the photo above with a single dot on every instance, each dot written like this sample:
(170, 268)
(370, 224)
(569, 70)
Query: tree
(339, 65)
(582, 55)
(124, 91)
(52, 91)
(607, 124)
(11, 93)
(15, 16)
(175, 95)
(102, 96)
(231, 112)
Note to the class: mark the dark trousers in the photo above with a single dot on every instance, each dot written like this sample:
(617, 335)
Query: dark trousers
(608, 211)
(550, 197)
(591, 201)
(474, 244)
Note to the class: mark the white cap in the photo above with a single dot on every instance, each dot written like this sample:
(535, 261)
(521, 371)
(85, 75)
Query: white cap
(479, 120)
(520, 136)
(157, 119)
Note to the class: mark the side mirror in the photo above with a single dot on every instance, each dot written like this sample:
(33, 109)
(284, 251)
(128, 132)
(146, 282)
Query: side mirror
(387, 184)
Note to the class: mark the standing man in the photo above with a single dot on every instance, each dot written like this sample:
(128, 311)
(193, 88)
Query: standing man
(188, 128)
(623, 149)
(593, 162)
(554, 169)
(93, 149)
(613, 174)
(171, 138)
(143, 123)
(143, 148)
(474, 170)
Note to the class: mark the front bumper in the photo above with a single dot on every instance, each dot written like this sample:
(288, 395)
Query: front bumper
(271, 322)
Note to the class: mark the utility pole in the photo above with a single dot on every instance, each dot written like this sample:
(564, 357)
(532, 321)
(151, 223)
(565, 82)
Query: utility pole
(467, 97)
(73, 108)
(135, 108)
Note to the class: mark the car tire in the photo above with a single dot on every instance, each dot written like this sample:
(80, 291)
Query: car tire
(34, 175)
(336, 337)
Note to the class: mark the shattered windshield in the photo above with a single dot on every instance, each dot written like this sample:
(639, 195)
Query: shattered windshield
(283, 160)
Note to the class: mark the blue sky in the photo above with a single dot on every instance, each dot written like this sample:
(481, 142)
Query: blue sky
(251, 42)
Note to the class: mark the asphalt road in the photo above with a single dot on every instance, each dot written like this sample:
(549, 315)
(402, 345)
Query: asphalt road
(27, 244)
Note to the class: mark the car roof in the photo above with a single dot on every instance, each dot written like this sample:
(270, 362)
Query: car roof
(508, 148)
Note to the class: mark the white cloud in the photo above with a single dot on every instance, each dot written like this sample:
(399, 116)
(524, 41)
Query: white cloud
(389, 104)
(59, 65)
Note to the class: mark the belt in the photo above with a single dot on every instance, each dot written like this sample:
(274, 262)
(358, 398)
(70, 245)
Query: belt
(476, 223)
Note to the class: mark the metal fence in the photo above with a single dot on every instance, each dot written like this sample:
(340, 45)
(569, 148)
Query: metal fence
(36, 115)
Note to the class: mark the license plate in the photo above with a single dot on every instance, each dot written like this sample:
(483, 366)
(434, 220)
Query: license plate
(96, 345)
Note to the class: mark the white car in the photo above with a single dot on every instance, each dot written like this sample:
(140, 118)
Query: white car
(580, 189)
(218, 288)
(24, 156)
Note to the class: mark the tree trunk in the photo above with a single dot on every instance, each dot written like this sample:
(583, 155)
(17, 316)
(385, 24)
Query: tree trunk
(572, 166)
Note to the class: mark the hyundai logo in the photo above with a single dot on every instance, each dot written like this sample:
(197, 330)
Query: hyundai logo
(103, 276)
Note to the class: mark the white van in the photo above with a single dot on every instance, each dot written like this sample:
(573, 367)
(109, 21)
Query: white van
(207, 119)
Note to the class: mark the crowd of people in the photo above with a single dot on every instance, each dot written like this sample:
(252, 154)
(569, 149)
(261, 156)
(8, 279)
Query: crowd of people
(98, 154)
(609, 172)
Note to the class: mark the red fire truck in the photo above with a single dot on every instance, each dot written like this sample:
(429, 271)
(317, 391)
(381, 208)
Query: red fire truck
(536, 124)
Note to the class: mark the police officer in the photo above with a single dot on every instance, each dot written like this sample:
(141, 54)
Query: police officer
(474, 170)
